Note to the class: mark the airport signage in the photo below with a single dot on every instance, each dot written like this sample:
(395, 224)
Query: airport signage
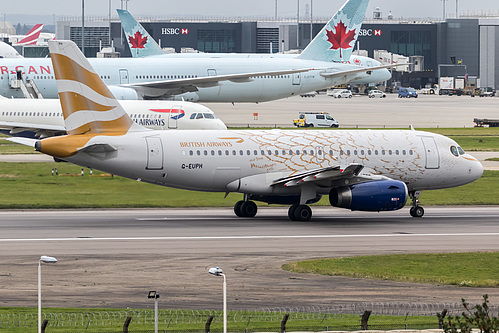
(174, 31)
(370, 32)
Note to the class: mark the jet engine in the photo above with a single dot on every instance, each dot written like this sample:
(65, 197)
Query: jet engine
(372, 196)
(124, 93)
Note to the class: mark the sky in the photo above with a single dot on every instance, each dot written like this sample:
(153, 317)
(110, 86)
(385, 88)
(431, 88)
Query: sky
(238, 8)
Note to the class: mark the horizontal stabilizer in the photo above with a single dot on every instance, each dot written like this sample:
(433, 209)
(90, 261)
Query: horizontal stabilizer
(24, 141)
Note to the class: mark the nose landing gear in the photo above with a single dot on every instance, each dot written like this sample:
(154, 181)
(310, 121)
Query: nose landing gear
(416, 210)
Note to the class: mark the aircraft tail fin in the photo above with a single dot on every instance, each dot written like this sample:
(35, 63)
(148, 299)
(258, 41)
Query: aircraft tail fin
(336, 41)
(32, 37)
(140, 42)
(88, 105)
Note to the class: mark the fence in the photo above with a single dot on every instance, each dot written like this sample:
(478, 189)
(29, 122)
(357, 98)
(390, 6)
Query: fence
(300, 317)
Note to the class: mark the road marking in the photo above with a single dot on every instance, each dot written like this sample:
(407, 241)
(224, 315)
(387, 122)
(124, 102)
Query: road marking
(88, 238)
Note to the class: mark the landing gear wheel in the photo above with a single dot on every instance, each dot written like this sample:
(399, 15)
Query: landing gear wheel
(237, 208)
(302, 213)
(417, 211)
(248, 209)
(291, 212)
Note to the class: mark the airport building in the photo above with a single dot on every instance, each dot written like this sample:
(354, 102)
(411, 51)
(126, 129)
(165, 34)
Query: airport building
(466, 47)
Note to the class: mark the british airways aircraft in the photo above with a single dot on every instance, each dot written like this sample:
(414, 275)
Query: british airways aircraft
(324, 63)
(358, 170)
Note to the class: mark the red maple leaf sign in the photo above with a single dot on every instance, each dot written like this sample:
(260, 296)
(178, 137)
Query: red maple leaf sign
(137, 41)
(341, 39)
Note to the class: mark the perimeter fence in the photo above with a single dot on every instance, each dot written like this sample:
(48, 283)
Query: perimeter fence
(344, 317)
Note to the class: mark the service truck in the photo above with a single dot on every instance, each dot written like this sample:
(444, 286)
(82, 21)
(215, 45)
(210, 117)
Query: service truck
(451, 86)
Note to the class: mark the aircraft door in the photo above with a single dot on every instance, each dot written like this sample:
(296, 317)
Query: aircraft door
(431, 153)
(124, 76)
(173, 116)
(296, 79)
(212, 72)
(154, 153)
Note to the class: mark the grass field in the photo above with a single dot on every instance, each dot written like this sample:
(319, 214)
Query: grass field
(461, 269)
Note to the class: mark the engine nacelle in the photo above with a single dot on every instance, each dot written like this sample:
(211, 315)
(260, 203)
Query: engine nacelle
(124, 93)
(375, 196)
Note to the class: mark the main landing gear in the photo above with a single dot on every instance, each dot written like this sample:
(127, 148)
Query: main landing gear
(245, 208)
(416, 209)
(299, 212)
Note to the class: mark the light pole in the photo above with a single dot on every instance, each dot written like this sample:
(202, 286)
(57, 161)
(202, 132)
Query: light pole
(155, 295)
(218, 272)
(46, 260)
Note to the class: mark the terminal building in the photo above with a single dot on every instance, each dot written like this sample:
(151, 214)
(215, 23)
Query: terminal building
(466, 47)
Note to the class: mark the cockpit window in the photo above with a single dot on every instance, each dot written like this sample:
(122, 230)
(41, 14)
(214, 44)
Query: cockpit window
(454, 151)
(199, 116)
(461, 151)
(193, 116)
(209, 116)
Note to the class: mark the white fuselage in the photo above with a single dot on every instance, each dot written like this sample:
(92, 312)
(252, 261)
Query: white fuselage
(30, 116)
(249, 161)
(123, 71)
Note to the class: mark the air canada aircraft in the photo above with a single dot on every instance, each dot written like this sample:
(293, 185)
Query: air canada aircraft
(321, 65)
(359, 170)
(40, 118)
(148, 47)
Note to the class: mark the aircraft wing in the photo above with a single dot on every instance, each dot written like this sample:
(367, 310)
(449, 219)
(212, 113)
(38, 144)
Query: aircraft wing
(359, 70)
(328, 173)
(39, 129)
(179, 86)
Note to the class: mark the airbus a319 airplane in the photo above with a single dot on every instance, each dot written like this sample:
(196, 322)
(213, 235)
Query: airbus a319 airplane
(40, 118)
(358, 170)
(320, 65)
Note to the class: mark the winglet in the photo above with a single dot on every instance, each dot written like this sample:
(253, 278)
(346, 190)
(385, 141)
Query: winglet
(87, 104)
(140, 42)
(336, 40)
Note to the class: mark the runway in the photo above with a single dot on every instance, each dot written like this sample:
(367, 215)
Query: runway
(124, 253)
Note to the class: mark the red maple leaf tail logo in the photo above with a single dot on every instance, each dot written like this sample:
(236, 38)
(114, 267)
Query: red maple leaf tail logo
(340, 39)
(137, 41)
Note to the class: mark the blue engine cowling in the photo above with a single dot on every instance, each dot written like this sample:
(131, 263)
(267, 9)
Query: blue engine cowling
(372, 196)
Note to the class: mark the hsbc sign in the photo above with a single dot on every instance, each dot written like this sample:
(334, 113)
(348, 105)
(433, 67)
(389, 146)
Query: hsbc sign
(370, 32)
(174, 31)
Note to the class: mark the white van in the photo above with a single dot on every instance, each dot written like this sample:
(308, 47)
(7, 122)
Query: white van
(315, 119)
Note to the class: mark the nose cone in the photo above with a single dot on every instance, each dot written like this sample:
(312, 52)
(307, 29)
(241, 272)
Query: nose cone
(221, 125)
(474, 169)
(385, 74)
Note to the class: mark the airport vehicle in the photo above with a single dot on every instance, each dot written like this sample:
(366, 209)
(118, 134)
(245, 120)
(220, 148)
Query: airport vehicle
(482, 122)
(43, 117)
(134, 31)
(359, 170)
(315, 119)
(341, 93)
(252, 79)
(376, 93)
(451, 86)
(487, 92)
(408, 93)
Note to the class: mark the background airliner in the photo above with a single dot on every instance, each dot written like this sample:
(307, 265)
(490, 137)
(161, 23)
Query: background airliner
(133, 30)
(320, 65)
(43, 117)
(359, 170)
